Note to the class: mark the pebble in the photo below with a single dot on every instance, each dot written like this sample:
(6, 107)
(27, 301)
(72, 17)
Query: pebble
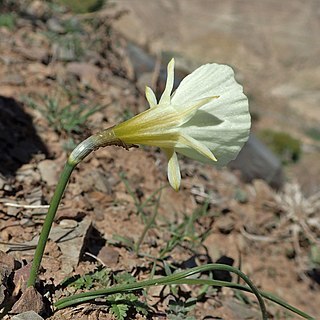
(68, 224)
(29, 315)
(109, 256)
(49, 172)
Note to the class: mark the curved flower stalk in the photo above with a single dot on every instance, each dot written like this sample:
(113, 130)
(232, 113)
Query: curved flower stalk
(206, 119)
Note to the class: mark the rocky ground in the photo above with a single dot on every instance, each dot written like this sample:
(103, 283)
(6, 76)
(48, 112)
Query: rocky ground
(64, 76)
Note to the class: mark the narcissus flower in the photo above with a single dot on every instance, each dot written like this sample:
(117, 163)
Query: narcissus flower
(206, 119)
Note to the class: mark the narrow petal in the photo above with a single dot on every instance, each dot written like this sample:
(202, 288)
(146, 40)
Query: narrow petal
(165, 98)
(174, 175)
(188, 111)
(196, 147)
(151, 97)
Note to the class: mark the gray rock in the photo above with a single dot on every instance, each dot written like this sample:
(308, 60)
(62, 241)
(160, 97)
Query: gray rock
(256, 161)
(49, 172)
(29, 315)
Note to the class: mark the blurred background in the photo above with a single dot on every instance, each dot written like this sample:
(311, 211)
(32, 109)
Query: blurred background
(71, 68)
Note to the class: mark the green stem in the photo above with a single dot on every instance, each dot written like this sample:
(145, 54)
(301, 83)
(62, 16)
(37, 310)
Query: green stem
(94, 142)
(58, 193)
(148, 226)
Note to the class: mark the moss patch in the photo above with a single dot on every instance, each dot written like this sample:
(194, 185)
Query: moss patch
(282, 144)
(82, 6)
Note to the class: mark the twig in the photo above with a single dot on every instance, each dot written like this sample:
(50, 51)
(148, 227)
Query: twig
(95, 258)
(26, 206)
(256, 237)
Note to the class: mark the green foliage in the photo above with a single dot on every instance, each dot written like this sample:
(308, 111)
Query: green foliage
(124, 277)
(179, 309)
(122, 241)
(64, 118)
(150, 202)
(84, 282)
(313, 133)
(282, 144)
(186, 231)
(7, 20)
(119, 305)
(185, 277)
(241, 195)
(67, 47)
(153, 202)
(99, 278)
(315, 255)
(122, 303)
(82, 6)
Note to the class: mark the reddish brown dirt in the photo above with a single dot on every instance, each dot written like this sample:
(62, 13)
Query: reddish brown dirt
(103, 197)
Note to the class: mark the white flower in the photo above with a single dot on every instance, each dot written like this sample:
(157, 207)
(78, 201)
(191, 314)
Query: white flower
(206, 119)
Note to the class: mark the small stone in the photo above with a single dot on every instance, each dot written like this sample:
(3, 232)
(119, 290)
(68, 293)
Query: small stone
(29, 315)
(68, 224)
(7, 187)
(38, 9)
(31, 299)
(49, 172)
(13, 211)
(109, 256)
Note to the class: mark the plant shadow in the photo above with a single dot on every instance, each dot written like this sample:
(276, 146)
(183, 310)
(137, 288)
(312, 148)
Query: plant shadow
(18, 138)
